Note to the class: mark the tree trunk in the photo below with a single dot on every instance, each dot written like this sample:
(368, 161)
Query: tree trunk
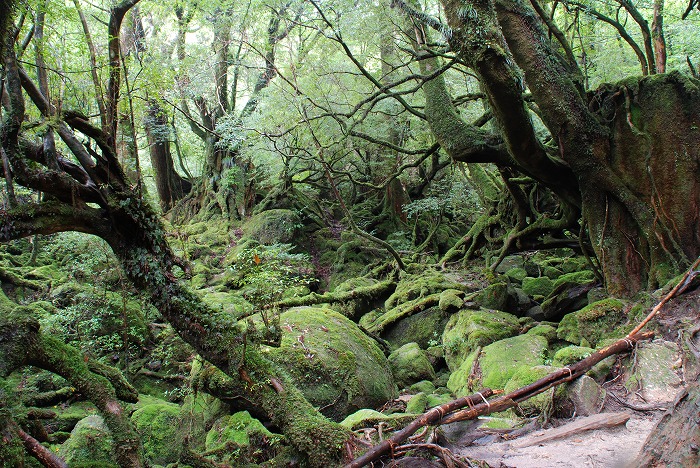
(170, 186)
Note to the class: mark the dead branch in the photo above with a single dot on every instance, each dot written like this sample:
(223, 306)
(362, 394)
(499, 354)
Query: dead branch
(680, 286)
(596, 421)
(41, 453)
(428, 418)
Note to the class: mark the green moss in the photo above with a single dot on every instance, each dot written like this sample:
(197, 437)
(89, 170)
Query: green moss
(332, 361)
(544, 330)
(542, 403)
(369, 417)
(425, 386)
(424, 328)
(277, 226)
(494, 296)
(541, 286)
(412, 287)
(516, 274)
(240, 438)
(497, 363)
(578, 277)
(469, 329)
(417, 404)
(602, 319)
(437, 399)
(451, 299)
(90, 442)
(410, 364)
(158, 425)
(570, 355)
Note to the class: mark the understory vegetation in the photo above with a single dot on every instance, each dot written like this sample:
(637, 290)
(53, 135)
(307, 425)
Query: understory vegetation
(278, 234)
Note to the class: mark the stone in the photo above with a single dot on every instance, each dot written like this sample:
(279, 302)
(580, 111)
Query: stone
(409, 364)
(90, 441)
(239, 437)
(602, 319)
(544, 402)
(468, 329)
(586, 396)
(541, 286)
(158, 425)
(655, 371)
(498, 362)
(334, 364)
(494, 296)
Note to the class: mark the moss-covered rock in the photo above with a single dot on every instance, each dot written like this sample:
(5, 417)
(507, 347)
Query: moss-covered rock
(333, 363)
(277, 226)
(586, 327)
(424, 328)
(544, 330)
(575, 278)
(197, 415)
(497, 363)
(424, 386)
(494, 296)
(571, 354)
(369, 417)
(542, 403)
(451, 299)
(90, 442)
(409, 364)
(158, 424)
(541, 286)
(516, 274)
(469, 329)
(417, 404)
(412, 287)
(239, 438)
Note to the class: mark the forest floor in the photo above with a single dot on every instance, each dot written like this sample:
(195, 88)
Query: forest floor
(609, 448)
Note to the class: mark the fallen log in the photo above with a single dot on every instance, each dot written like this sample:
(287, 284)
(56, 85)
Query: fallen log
(596, 421)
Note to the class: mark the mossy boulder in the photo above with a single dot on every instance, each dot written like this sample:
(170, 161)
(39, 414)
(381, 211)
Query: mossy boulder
(412, 287)
(240, 438)
(333, 363)
(417, 404)
(424, 328)
(571, 354)
(542, 403)
(158, 424)
(198, 413)
(278, 226)
(516, 274)
(369, 417)
(496, 363)
(90, 442)
(469, 329)
(541, 286)
(409, 364)
(544, 330)
(586, 327)
(494, 296)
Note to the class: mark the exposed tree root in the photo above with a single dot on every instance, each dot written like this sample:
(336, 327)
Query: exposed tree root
(367, 293)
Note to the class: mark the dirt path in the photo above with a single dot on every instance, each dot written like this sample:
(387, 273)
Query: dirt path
(608, 448)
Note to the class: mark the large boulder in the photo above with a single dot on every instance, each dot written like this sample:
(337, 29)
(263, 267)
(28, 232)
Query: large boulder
(424, 328)
(656, 371)
(409, 364)
(469, 329)
(335, 365)
(586, 327)
(239, 439)
(90, 442)
(277, 226)
(496, 363)
(158, 424)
